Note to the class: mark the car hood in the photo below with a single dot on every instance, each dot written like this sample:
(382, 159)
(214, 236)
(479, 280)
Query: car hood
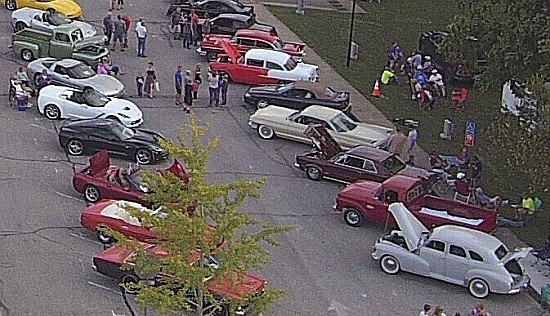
(71, 8)
(92, 40)
(124, 107)
(517, 254)
(86, 28)
(373, 134)
(410, 226)
(323, 140)
(105, 84)
(99, 162)
(237, 287)
(145, 136)
(230, 49)
(272, 111)
(416, 172)
(271, 88)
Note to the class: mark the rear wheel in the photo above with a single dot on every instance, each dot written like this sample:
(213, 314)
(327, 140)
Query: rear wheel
(20, 26)
(353, 217)
(389, 264)
(212, 55)
(265, 132)
(262, 104)
(129, 281)
(27, 55)
(478, 288)
(37, 79)
(52, 112)
(314, 173)
(91, 194)
(75, 147)
(143, 156)
(11, 5)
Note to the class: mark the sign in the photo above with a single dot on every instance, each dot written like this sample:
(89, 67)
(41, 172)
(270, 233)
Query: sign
(469, 140)
(471, 127)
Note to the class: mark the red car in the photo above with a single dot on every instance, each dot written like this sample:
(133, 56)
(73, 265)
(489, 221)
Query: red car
(99, 180)
(247, 39)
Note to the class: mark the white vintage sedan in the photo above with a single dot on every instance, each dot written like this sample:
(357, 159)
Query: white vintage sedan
(282, 122)
(455, 254)
(57, 102)
(46, 21)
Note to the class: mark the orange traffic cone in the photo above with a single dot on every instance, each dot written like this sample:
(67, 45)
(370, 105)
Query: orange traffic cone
(377, 92)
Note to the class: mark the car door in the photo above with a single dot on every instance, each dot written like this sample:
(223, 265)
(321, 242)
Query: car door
(222, 26)
(295, 98)
(457, 264)
(294, 127)
(103, 138)
(253, 71)
(277, 71)
(347, 168)
(60, 75)
(73, 106)
(434, 254)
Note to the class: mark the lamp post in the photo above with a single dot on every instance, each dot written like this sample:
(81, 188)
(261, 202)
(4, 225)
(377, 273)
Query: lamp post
(351, 32)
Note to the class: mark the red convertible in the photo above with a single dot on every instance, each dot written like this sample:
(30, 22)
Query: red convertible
(99, 180)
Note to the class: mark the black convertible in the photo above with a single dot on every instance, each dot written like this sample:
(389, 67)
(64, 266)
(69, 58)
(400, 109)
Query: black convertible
(212, 7)
(229, 24)
(298, 95)
(91, 135)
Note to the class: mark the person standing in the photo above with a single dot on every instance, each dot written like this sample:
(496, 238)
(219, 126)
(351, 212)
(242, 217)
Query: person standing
(108, 28)
(413, 136)
(437, 79)
(140, 82)
(150, 78)
(127, 24)
(197, 80)
(205, 25)
(141, 32)
(194, 26)
(112, 5)
(213, 87)
(187, 33)
(224, 85)
(178, 80)
(426, 311)
(475, 171)
(188, 90)
(120, 29)
(397, 141)
(176, 22)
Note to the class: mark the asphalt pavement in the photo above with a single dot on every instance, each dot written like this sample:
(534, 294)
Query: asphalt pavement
(45, 266)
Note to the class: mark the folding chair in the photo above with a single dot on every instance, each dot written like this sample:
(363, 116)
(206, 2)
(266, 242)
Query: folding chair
(464, 198)
(458, 99)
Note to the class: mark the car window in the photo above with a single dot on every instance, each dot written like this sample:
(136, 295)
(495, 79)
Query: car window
(290, 64)
(80, 71)
(223, 22)
(255, 62)
(37, 17)
(62, 37)
(339, 159)
(501, 252)
(391, 196)
(414, 193)
(122, 131)
(342, 123)
(60, 70)
(240, 25)
(307, 120)
(475, 256)
(272, 65)
(457, 251)
(95, 99)
(263, 44)
(76, 35)
(393, 164)
(354, 162)
(369, 166)
(436, 245)
(245, 42)
(278, 45)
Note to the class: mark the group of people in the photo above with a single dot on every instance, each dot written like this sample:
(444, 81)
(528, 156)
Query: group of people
(21, 89)
(479, 310)
(188, 28)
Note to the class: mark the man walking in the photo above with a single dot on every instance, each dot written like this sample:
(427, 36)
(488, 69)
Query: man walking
(178, 79)
(120, 29)
(224, 85)
(397, 141)
(108, 28)
(213, 88)
(413, 136)
(127, 23)
(141, 32)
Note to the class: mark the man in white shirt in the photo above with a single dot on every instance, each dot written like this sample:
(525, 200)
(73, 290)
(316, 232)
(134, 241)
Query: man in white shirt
(437, 79)
(141, 32)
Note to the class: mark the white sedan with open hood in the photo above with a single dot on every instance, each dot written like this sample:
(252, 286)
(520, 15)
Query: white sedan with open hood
(454, 254)
(57, 102)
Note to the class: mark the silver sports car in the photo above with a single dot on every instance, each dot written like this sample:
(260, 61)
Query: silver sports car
(75, 74)
(46, 21)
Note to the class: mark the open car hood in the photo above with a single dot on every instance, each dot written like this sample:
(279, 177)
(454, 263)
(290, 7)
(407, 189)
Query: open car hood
(410, 226)
(230, 50)
(99, 162)
(89, 41)
(323, 140)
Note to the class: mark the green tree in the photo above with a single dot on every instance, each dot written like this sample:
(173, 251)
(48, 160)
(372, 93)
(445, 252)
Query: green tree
(203, 261)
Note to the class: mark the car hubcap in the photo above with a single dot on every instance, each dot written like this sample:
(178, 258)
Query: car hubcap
(479, 288)
(390, 264)
(52, 112)
(75, 148)
(10, 4)
(313, 173)
(265, 132)
(91, 194)
(353, 218)
(27, 55)
(143, 157)
(262, 104)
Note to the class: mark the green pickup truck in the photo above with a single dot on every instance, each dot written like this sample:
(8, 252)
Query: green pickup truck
(67, 41)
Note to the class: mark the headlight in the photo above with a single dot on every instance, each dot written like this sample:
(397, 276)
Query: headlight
(143, 188)
(247, 94)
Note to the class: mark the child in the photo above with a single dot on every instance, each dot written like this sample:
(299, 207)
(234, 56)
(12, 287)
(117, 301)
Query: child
(140, 83)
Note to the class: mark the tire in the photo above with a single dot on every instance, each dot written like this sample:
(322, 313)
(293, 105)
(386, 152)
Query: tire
(262, 104)
(75, 147)
(103, 237)
(91, 194)
(36, 79)
(52, 112)
(27, 55)
(478, 288)
(353, 217)
(129, 280)
(265, 132)
(212, 55)
(20, 26)
(314, 173)
(223, 310)
(143, 156)
(389, 264)
(11, 5)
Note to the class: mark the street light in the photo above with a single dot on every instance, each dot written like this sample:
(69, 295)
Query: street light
(351, 32)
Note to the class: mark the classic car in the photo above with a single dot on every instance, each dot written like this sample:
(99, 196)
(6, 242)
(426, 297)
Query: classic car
(229, 23)
(100, 180)
(227, 289)
(454, 254)
(76, 74)
(277, 121)
(79, 136)
(68, 7)
(262, 66)
(247, 39)
(362, 162)
(212, 7)
(57, 102)
(46, 21)
(298, 95)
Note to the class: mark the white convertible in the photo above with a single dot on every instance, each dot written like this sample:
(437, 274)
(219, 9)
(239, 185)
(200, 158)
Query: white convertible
(278, 121)
(46, 21)
(57, 102)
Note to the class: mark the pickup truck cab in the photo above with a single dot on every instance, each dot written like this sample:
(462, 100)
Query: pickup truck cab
(368, 200)
(66, 41)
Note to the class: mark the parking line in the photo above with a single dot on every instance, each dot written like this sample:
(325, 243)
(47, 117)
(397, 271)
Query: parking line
(104, 287)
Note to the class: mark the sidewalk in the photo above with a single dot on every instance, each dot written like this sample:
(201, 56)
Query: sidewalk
(368, 113)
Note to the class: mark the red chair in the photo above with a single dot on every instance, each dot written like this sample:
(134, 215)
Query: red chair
(458, 99)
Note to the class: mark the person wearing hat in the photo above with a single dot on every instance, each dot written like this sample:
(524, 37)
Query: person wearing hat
(462, 186)
(106, 68)
(427, 66)
(437, 79)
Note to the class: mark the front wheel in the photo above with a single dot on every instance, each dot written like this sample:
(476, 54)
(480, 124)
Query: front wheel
(129, 282)
(27, 55)
(75, 147)
(91, 194)
(265, 132)
(52, 112)
(212, 55)
(143, 156)
(262, 104)
(11, 5)
(20, 26)
(314, 173)
(389, 264)
(353, 217)
(478, 288)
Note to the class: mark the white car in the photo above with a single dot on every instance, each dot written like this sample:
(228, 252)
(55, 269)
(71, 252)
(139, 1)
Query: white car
(57, 102)
(46, 21)
(278, 121)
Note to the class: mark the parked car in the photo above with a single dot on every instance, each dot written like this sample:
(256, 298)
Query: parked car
(91, 135)
(212, 7)
(362, 162)
(57, 102)
(46, 21)
(231, 289)
(76, 74)
(454, 254)
(247, 39)
(68, 7)
(100, 180)
(287, 123)
(230, 23)
(298, 95)
(262, 66)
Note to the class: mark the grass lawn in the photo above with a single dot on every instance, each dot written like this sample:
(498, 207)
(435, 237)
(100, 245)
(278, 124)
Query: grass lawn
(327, 32)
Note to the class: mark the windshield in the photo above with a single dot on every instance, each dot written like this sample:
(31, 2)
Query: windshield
(501, 252)
(342, 123)
(59, 19)
(122, 131)
(136, 181)
(80, 71)
(393, 164)
(329, 92)
(278, 44)
(95, 99)
(290, 64)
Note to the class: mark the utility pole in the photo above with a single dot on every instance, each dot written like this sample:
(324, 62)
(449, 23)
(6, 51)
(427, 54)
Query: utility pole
(350, 32)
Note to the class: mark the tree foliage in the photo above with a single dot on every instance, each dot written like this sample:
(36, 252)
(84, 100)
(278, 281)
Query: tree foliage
(203, 261)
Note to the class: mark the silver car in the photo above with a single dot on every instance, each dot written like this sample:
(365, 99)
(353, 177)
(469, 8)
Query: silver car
(46, 21)
(454, 254)
(75, 74)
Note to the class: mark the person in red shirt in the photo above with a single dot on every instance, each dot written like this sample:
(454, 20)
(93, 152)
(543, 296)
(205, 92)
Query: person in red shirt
(194, 26)
(462, 186)
(128, 23)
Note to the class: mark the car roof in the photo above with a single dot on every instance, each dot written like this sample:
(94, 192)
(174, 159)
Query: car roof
(315, 87)
(259, 53)
(466, 237)
(370, 152)
(256, 34)
(234, 16)
(320, 112)
(403, 183)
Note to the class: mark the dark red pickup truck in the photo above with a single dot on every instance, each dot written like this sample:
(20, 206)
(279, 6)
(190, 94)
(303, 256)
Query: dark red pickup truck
(368, 200)
(246, 39)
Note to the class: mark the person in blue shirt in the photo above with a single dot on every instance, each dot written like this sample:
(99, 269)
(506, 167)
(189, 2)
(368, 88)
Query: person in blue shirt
(419, 76)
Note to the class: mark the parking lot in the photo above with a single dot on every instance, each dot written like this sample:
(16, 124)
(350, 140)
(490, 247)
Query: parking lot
(45, 266)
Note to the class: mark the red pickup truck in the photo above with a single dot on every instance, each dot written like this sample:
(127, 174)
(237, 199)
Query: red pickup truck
(368, 200)
(246, 39)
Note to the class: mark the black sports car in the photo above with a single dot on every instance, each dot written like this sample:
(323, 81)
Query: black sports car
(92, 135)
(212, 7)
(229, 24)
(298, 95)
